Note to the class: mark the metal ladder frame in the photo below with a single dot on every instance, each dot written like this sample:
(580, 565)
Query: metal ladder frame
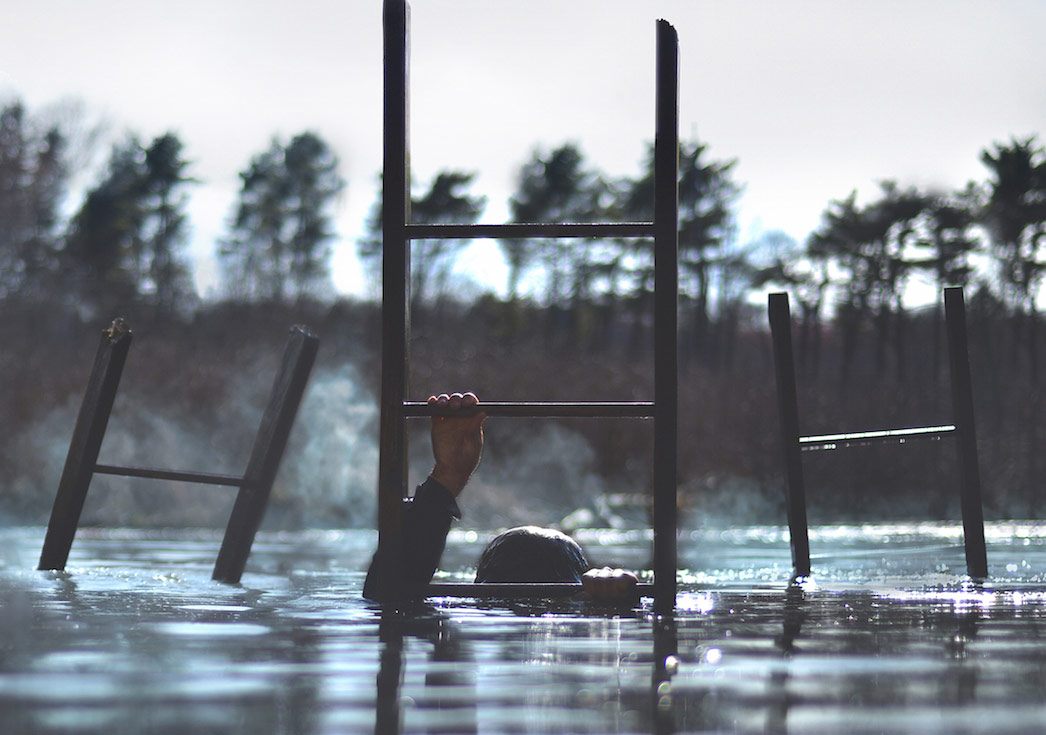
(398, 231)
(964, 430)
(255, 485)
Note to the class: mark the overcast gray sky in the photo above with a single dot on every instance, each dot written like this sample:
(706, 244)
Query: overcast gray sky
(814, 98)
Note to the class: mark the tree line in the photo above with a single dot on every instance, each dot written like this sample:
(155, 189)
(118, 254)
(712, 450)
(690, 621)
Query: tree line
(579, 311)
(128, 232)
(125, 239)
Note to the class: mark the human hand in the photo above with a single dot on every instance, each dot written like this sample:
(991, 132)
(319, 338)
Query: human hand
(609, 585)
(457, 441)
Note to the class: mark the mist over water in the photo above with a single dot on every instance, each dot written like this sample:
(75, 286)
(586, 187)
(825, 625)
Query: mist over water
(532, 472)
(330, 470)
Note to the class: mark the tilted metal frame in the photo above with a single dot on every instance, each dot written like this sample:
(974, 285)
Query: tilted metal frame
(255, 485)
(793, 444)
(397, 234)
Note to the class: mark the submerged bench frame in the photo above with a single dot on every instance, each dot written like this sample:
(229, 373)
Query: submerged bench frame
(398, 231)
(964, 430)
(255, 484)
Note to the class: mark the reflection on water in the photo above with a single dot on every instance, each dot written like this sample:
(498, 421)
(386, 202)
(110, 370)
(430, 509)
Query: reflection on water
(886, 638)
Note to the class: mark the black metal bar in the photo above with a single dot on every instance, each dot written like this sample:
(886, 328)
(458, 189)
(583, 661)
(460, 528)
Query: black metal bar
(582, 409)
(511, 591)
(788, 415)
(203, 478)
(521, 230)
(395, 298)
(269, 445)
(85, 444)
(666, 279)
(966, 433)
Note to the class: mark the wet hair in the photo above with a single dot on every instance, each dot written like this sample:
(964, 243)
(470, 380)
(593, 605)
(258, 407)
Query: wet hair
(532, 554)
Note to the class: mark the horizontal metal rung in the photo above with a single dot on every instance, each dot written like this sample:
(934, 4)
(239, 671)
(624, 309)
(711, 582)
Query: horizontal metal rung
(860, 438)
(587, 409)
(514, 591)
(517, 230)
(203, 478)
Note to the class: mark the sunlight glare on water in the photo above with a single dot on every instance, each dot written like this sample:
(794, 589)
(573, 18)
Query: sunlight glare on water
(887, 636)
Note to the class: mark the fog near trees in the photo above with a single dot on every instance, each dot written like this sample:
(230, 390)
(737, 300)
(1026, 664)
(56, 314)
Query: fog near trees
(575, 324)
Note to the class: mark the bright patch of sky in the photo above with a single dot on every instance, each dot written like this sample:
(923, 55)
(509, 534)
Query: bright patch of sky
(814, 98)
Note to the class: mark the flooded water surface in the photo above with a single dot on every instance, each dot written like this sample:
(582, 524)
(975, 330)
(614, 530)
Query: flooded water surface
(888, 637)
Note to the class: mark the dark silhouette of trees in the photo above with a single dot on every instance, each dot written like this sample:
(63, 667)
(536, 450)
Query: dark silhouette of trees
(446, 202)
(126, 238)
(278, 243)
(102, 249)
(851, 282)
(950, 239)
(164, 199)
(432, 261)
(872, 248)
(707, 195)
(33, 181)
(558, 186)
(783, 264)
(1015, 218)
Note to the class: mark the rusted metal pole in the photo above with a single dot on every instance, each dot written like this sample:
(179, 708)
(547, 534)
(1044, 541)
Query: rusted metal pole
(666, 278)
(85, 444)
(966, 434)
(269, 444)
(395, 298)
(788, 415)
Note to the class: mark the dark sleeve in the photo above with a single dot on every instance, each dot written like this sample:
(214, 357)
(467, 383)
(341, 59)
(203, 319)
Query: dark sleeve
(425, 522)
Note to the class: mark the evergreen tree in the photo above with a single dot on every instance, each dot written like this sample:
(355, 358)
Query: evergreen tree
(431, 261)
(33, 179)
(559, 187)
(707, 195)
(446, 202)
(804, 274)
(104, 247)
(1015, 217)
(127, 235)
(278, 245)
(951, 240)
(166, 225)
(874, 250)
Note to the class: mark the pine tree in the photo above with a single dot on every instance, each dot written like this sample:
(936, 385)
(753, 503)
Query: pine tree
(278, 244)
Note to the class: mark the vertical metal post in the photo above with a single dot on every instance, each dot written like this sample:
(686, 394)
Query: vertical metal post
(966, 434)
(788, 413)
(85, 444)
(666, 646)
(395, 300)
(269, 444)
(666, 278)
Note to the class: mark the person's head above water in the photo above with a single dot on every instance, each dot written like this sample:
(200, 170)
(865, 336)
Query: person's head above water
(532, 554)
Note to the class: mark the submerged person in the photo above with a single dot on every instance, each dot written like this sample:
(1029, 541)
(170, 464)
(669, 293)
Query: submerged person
(523, 554)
